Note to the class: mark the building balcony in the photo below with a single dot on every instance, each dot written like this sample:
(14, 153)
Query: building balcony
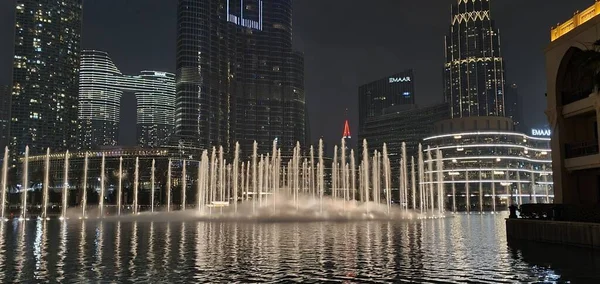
(582, 155)
(581, 149)
(571, 97)
(578, 107)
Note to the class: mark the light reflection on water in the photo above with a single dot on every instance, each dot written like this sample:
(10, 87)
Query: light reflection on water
(453, 250)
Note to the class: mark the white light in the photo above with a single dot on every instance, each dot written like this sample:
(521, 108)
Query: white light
(454, 173)
(490, 145)
(460, 149)
(487, 133)
(455, 137)
(399, 80)
(493, 157)
(498, 172)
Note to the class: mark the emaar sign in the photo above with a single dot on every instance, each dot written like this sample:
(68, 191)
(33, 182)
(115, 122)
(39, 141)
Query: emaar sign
(400, 80)
(541, 132)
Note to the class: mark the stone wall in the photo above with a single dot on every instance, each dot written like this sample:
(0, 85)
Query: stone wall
(557, 232)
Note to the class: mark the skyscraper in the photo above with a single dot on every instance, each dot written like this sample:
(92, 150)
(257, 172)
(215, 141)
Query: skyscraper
(474, 70)
(45, 75)
(101, 88)
(392, 91)
(513, 106)
(4, 116)
(238, 78)
(405, 123)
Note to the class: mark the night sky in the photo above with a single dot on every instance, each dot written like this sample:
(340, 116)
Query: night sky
(346, 44)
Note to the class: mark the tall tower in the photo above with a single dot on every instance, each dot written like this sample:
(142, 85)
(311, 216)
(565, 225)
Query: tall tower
(384, 96)
(45, 75)
(238, 78)
(101, 87)
(474, 70)
(4, 116)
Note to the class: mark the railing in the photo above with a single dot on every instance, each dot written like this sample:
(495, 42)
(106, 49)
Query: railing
(571, 97)
(561, 212)
(580, 149)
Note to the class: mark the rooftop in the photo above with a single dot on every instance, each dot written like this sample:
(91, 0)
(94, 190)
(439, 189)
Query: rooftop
(579, 18)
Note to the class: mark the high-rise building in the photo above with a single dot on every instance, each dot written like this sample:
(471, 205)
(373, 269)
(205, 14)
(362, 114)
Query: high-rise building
(238, 78)
(375, 97)
(407, 123)
(4, 116)
(101, 88)
(513, 106)
(45, 75)
(474, 70)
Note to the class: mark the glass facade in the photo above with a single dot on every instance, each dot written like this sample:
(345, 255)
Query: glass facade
(474, 71)
(376, 97)
(238, 78)
(409, 124)
(45, 75)
(4, 116)
(100, 91)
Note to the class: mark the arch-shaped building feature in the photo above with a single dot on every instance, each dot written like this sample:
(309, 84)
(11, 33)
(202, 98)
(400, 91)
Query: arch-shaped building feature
(574, 107)
(101, 87)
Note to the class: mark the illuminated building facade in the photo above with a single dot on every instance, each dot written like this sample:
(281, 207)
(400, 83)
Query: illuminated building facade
(375, 97)
(238, 78)
(45, 75)
(486, 166)
(4, 116)
(574, 107)
(101, 88)
(474, 70)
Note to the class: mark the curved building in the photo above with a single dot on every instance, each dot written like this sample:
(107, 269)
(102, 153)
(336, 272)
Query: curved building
(101, 87)
(238, 78)
(485, 165)
(474, 70)
(99, 100)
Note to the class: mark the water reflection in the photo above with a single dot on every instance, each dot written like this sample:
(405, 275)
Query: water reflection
(469, 248)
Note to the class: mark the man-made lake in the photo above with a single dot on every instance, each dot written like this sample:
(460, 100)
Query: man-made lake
(464, 248)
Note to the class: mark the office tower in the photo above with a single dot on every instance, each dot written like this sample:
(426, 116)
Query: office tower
(474, 70)
(513, 106)
(45, 75)
(4, 116)
(375, 97)
(101, 87)
(238, 78)
(405, 123)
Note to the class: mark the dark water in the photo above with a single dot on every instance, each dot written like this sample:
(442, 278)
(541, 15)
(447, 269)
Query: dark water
(453, 250)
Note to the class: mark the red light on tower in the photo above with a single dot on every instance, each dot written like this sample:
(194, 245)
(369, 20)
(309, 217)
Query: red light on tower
(346, 134)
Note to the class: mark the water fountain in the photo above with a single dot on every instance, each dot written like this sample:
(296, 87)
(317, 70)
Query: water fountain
(183, 184)
(46, 185)
(25, 185)
(136, 182)
(152, 183)
(65, 189)
(120, 186)
(169, 186)
(4, 185)
(265, 185)
(85, 177)
(102, 184)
